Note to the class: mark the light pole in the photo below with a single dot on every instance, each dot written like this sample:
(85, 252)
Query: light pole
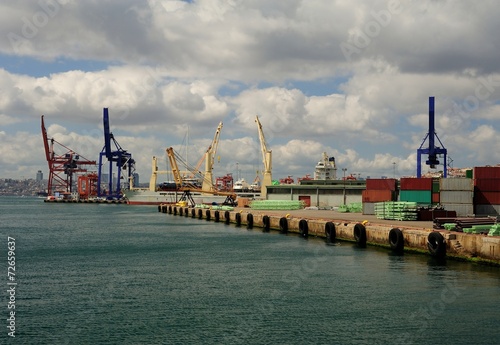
(344, 170)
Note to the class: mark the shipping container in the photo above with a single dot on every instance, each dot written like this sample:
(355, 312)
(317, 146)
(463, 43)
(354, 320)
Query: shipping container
(486, 172)
(410, 183)
(381, 184)
(456, 197)
(435, 185)
(368, 208)
(435, 198)
(487, 210)
(458, 183)
(463, 210)
(377, 195)
(418, 196)
(487, 184)
(468, 173)
(482, 198)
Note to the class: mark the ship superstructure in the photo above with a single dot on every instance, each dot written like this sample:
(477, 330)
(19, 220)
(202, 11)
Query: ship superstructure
(325, 169)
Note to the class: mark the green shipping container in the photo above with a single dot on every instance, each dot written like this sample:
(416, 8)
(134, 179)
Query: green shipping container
(468, 173)
(418, 196)
(435, 186)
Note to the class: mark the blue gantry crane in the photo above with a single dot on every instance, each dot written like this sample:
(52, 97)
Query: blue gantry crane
(115, 157)
(432, 151)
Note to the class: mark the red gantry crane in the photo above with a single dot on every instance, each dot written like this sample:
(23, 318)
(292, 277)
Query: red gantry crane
(64, 166)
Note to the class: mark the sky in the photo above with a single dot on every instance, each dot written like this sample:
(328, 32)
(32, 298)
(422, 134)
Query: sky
(351, 78)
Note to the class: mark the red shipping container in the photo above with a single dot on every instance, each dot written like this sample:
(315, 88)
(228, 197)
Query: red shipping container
(486, 172)
(376, 195)
(487, 184)
(435, 198)
(485, 198)
(410, 183)
(381, 184)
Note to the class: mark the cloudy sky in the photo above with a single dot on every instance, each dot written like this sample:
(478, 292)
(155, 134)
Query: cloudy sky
(348, 77)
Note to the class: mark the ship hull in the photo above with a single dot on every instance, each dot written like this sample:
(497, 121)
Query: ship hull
(147, 197)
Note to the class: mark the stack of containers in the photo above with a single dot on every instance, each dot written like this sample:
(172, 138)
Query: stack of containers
(417, 190)
(435, 190)
(457, 194)
(378, 190)
(487, 190)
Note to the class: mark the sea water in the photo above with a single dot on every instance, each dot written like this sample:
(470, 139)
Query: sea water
(120, 274)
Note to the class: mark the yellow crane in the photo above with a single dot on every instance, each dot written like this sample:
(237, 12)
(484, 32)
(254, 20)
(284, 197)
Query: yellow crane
(186, 196)
(208, 183)
(266, 159)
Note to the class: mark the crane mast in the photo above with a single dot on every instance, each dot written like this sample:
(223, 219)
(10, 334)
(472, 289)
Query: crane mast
(208, 183)
(230, 197)
(266, 159)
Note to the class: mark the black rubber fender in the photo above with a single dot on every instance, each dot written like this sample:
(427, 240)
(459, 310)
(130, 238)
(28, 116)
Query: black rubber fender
(193, 213)
(186, 212)
(170, 209)
(436, 244)
(238, 219)
(216, 216)
(159, 208)
(249, 221)
(303, 228)
(181, 211)
(207, 214)
(396, 240)
(283, 225)
(266, 221)
(227, 217)
(200, 213)
(360, 234)
(330, 232)
(175, 210)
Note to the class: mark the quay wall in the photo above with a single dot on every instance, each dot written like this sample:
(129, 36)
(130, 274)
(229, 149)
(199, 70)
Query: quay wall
(463, 246)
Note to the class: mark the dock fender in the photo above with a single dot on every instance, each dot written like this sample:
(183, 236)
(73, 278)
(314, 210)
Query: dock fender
(216, 216)
(227, 217)
(193, 213)
(207, 214)
(159, 208)
(200, 213)
(170, 209)
(175, 210)
(238, 219)
(330, 232)
(303, 228)
(436, 244)
(396, 240)
(181, 211)
(267, 223)
(360, 234)
(249, 221)
(283, 225)
(186, 212)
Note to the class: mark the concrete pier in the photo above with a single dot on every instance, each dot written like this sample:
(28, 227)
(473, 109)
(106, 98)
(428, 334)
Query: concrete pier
(365, 230)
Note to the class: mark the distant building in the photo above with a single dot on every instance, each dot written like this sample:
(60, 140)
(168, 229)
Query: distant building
(135, 179)
(39, 176)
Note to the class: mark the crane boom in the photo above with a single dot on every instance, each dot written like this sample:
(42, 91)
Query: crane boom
(230, 197)
(266, 159)
(208, 183)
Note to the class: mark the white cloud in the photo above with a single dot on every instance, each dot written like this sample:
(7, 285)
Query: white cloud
(174, 64)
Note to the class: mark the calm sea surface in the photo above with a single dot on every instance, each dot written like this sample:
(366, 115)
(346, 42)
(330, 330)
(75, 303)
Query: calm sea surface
(119, 274)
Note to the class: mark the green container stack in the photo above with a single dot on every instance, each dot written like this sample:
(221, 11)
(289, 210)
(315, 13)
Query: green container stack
(396, 210)
(477, 229)
(494, 230)
(277, 204)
